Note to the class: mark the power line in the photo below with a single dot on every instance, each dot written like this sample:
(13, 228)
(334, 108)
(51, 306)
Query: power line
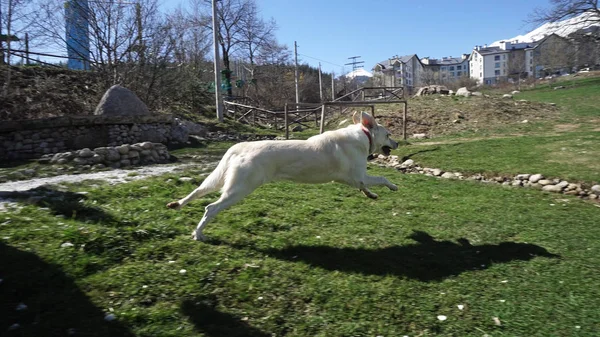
(314, 58)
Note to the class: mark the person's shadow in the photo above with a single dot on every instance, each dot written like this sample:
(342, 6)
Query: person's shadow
(64, 203)
(427, 260)
(39, 299)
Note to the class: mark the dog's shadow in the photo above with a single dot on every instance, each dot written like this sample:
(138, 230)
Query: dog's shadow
(212, 322)
(427, 260)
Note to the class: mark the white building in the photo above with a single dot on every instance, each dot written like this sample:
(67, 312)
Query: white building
(511, 60)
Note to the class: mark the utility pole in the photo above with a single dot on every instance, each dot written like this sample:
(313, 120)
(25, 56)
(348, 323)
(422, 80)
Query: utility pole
(355, 64)
(320, 83)
(219, 102)
(296, 72)
(333, 86)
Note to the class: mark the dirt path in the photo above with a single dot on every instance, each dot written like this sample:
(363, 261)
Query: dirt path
(112, 177)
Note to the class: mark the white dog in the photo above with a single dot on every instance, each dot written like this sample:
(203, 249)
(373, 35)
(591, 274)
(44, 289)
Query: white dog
(339, 155)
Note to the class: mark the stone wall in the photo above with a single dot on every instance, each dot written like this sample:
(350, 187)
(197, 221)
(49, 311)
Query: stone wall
(114, 156)
(30, 139)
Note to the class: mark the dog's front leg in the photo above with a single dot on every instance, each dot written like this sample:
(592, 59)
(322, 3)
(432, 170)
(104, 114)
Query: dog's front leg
(378, 181)
(367, 192)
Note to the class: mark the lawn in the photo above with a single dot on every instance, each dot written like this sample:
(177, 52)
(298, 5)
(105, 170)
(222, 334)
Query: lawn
(302, 260)
(436, 258)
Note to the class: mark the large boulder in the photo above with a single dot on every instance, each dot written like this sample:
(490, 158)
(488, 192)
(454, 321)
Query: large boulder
(120, 101)
(463, 92)
(191, 127)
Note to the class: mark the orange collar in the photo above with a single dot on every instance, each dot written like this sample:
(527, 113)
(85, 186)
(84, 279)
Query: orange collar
(368, 134)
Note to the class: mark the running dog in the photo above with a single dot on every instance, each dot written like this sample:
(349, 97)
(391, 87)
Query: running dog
(339, 156)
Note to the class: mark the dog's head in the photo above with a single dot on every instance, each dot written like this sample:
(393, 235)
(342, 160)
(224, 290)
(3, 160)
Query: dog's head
(380, 136)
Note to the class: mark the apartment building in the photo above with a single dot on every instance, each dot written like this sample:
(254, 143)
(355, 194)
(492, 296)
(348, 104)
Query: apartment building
(399, 71)
(444, 70)
(511, 60)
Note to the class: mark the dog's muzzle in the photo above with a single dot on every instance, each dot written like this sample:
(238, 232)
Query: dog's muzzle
(387, 149)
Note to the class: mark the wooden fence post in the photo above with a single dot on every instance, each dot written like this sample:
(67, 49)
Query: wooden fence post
(404, 120)
(323, 107)
(285, 122)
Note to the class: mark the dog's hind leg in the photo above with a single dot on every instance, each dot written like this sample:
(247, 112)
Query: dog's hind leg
(234, 191)
(212, 183)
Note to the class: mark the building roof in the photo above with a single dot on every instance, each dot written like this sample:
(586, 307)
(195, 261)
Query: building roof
(445, 61)
(389, 62)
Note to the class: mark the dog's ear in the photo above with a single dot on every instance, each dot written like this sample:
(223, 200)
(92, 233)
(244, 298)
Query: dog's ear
(367, 120)
(356, 117)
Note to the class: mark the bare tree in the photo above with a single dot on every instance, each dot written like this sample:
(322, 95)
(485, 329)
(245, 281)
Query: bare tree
(516, 67)
(13, 18)
(554, 55)
(430, 76)
(566, 9)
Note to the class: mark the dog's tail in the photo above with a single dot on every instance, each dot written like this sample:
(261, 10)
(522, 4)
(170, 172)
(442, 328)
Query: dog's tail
(212, 183)
(216, 179)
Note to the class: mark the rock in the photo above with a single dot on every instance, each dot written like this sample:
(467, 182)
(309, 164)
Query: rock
(595, 189)
(535, 178)
(552, 188)
(563, 184)
(559, 87)
(507, 96)
(120, 101)
(515, 92)
(192, 128)
(67, 245)
(545, 182)
(419, 136)
(123, 149)
(85, 153)
(297, 128)
(523, 176)
(436, 172)
(476, 93)
(463, 92)
(178, 134)
(185, 179)
(449, 175)
(408, 163)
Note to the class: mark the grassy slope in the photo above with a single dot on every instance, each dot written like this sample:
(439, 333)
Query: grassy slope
(565, 147)
(338, 264)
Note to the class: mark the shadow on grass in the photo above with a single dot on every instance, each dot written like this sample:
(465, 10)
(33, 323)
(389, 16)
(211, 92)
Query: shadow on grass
(55, 305)
(427, 260)
(68, 204)
(212, 322)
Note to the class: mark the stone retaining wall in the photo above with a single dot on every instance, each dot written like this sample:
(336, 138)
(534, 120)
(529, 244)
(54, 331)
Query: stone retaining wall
(29, 139)
(117, 156)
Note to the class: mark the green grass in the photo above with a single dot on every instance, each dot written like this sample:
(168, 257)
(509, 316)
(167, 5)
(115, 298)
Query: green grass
(572, 156)
(302, 260)
(580, 98)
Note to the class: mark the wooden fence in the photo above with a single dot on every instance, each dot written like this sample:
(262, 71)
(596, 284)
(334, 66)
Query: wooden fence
(305, 114)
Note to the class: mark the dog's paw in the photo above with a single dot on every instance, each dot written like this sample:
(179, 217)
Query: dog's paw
(198, 236)
(174, 205)
(393, 187)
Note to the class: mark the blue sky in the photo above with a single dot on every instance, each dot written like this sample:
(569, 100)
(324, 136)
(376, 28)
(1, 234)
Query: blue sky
(333, 30)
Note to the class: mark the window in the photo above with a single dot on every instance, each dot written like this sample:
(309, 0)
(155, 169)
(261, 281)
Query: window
(497, 65)
(504, 57)
(443, 68)
(451, 68)
(497, 58)
(458, 67)
(480, 74)
(497, 72)
(458, 74)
